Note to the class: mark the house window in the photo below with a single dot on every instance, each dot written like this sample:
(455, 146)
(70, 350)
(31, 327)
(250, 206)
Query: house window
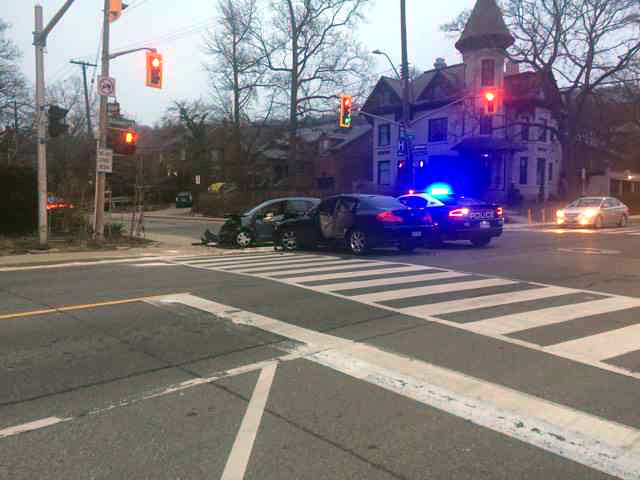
(524, 130)
(384, 173)
(542, 136)
(540, 171)
(438, 129)
(488, 73)
(524, 168)
(486, 125)
(550, 171)
(384, 135)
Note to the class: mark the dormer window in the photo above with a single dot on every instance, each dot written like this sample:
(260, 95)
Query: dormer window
(488, 73)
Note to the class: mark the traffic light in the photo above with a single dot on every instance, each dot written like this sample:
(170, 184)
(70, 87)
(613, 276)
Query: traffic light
(122, 142)
(346, 108)
(115, 9)
(489, 98)
(56, 121)
(154, 70)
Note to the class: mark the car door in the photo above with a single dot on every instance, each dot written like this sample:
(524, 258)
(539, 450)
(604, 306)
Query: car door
(326, 218)
(344, 216)
(609, 211)
(265, 218)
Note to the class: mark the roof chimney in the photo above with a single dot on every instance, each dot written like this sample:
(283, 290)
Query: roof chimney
(440, 63)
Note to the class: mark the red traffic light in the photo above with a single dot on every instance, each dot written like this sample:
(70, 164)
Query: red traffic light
(154, 70)
(346, 104)
(130, 137)
(490, 96)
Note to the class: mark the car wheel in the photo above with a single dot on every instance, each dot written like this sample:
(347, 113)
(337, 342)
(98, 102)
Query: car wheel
(244, 239)
(623, 221)
(358, 243)
(289, 240)
(481, 242)
(597, 223)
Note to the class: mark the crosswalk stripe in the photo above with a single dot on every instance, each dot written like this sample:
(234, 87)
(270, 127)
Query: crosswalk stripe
(283, 266)
(333, 276)
(507, 324)
(441, 308)
(601, 346)
(247, 258)
(390, 281)
(635, 233)
(277, 263)
(340, 266)
(433, 289)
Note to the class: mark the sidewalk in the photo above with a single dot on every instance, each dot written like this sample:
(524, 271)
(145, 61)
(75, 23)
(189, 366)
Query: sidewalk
(181, 214)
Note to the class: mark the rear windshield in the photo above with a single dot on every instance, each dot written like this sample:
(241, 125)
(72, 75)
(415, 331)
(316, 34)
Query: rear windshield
(459, 200)
(381, 202)
(586, 202)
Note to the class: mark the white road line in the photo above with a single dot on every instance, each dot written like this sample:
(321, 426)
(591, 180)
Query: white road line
(380, 271)
(155, 264)
(549, 316)
(487, 301)
(240, 260)
(344, 265)
(433, 289)
(35, 425)
(81, 264)
(584, 438)
(390, 281)
(241, 451)
(266, 266)
(603, 345)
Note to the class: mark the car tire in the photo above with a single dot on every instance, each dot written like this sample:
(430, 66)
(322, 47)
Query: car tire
(481, 241)
(289, 240)
(244, 238)
(358, 242)
(598, 223)
(623, 221)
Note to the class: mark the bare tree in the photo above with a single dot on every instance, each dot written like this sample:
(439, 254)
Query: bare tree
(13, 92)
(585, 43)
(313, 56)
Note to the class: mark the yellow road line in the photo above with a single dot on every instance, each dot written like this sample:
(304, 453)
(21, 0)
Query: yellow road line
(79, 307)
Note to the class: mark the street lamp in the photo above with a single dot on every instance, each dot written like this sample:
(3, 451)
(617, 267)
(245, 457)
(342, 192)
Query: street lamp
(380, 52)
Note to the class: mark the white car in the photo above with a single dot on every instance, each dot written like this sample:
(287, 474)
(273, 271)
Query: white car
(596, 212)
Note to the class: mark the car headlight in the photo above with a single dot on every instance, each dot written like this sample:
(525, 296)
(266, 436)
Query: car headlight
(589, 213)
(560, 214)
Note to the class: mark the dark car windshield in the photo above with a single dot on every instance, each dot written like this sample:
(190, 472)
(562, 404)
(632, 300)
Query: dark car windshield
(459, 200)
(381, 202)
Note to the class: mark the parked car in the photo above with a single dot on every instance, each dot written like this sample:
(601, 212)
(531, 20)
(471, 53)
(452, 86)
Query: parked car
(596, 212)
(184, 200)
(359, 222)
(256, 225)
(458, 217)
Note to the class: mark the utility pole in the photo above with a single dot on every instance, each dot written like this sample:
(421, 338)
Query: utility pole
(98, 218)
(84, 66)
(40, 35)
(404, 71)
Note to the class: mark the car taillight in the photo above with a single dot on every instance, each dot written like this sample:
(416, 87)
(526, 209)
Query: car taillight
(499, 211)
(459, 212)
(389, 217)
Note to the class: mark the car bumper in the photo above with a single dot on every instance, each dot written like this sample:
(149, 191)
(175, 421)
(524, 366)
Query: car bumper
(492, 228)
(575, 222)
(393, 236)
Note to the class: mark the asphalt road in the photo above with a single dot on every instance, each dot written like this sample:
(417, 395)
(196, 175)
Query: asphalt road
(519, 360)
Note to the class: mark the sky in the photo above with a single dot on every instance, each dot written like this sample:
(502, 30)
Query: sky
(176, 29)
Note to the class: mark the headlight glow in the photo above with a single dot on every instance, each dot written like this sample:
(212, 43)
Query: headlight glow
(589, 213)
(560, 213)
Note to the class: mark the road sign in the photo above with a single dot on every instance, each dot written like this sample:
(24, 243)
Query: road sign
(104, 163)
(402, 148)
(121, 123)
(107, 86)
(197, 179)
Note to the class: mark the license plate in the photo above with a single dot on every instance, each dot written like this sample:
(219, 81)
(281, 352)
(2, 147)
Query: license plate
(416, 234)
(485, 225)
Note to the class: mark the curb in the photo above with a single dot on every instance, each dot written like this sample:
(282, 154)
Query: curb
(187, 218)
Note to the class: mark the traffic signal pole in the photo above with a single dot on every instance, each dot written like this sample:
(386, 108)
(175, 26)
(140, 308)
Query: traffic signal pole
(40, 35)
(98, 217)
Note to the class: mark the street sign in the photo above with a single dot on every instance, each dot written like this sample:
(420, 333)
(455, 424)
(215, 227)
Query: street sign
(121, 123)
(107, 86)
(402, 148)
(113, 110)
(104, 163)
(197, 179)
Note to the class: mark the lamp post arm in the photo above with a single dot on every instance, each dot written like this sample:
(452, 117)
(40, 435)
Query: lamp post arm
(125, 52)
